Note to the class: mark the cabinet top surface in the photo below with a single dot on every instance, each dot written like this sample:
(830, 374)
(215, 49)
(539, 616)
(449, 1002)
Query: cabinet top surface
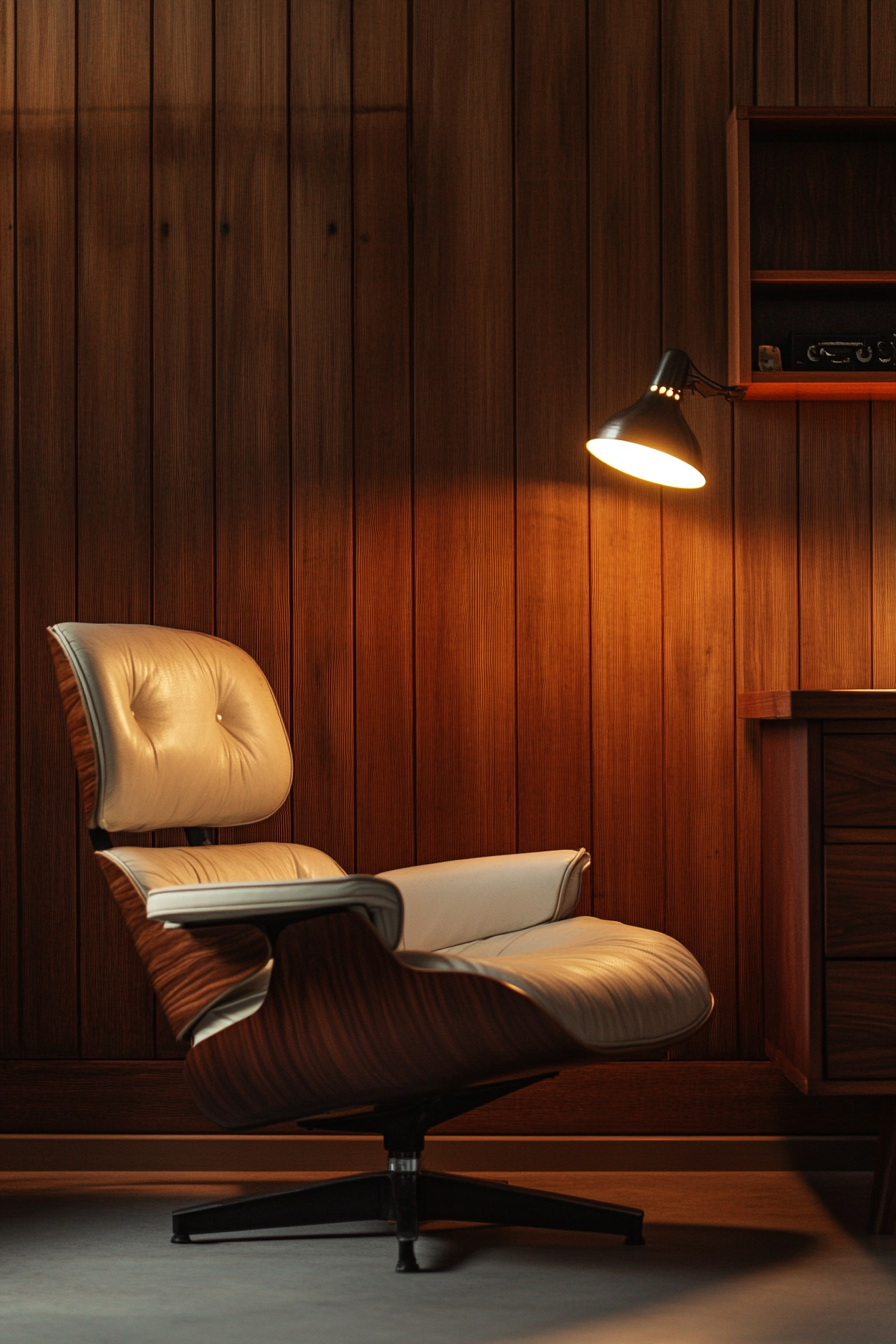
(820, 704)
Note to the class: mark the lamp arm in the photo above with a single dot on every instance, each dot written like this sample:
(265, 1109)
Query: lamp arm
(708, 387)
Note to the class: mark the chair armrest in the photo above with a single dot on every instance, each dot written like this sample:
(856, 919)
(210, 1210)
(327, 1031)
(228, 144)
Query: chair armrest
(457, 902)
(235, 902)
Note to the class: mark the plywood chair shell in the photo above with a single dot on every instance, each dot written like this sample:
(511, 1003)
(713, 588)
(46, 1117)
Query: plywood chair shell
(346, 1023)
(190, 969)
(78, 727)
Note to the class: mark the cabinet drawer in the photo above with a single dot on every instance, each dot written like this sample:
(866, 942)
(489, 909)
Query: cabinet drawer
(860, 900)
(861, 1019)
(860, 780)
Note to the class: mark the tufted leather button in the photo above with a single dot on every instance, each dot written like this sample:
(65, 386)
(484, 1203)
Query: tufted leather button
(219, 717)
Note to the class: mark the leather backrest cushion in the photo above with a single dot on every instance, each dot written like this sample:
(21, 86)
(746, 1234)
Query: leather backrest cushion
(186, 729)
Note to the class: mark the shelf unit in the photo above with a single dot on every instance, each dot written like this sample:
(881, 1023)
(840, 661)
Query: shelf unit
(811, 243)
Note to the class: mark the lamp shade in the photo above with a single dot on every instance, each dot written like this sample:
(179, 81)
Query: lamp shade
(652, 439)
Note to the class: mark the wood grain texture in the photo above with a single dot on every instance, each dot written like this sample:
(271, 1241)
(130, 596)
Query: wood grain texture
(463, 429)
(188, 968)
(832, 53)
(551, 309)
(77, 727)
(835, 546)
(766, 606)
(883, 544)
(744, 20)
(838, 707)
(697, 525)
(791, 844)
(345, 1023)
(860, 900)
(384, 524)
(252, 463)
(47, 471)
(9, 876)
(861, 1019)
(114, 418)
(860, 780)
(626, 515)
(775, 38)
(692, 1097)
(882, 52)
(321, 335)
(183, 316)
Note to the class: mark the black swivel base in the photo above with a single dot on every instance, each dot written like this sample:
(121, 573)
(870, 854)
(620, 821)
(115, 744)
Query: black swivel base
(404, 1194)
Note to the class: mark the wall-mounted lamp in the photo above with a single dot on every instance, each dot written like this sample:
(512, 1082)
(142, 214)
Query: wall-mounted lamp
(652, 439)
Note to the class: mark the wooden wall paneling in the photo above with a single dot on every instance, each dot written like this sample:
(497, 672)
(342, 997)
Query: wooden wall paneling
(463, 360)
(9, 819)
(47, 502)
(634, 1097)
(882, 49)
(321, 337)
(832, 53)
(183, 316)
(744, 23)
(114, 409)
(252, 347)
(775, 53)
(626, 515)
(766, 586)
(697, 525)
(183, 223)
(883, 543)
(835, 545)
(552, 550)
(766, 611)
(384, 598)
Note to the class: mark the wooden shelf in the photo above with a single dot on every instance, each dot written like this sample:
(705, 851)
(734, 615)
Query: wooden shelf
(823, 277)
(798, 386)
(809, 249)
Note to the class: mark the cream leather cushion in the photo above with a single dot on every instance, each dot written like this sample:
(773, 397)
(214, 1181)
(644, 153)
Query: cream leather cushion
(256, 862)
(185, 727)
(473, 898)
(612, 986)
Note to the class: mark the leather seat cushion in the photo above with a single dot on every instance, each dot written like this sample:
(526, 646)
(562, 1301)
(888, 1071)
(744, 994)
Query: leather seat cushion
(612, 986)
(258, 861)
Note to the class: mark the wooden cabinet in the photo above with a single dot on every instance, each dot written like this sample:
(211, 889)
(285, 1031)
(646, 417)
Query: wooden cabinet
(812, 248)
(829, 899)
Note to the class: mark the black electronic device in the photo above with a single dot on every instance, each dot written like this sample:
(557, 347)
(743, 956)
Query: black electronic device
(875, 353)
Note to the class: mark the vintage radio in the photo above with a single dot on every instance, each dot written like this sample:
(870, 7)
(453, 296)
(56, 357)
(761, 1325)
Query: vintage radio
(849, 353)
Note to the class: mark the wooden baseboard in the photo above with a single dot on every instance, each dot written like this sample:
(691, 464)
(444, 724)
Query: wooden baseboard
(174, 1157)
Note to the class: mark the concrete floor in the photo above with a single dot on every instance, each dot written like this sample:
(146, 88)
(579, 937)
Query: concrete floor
(732, 1258)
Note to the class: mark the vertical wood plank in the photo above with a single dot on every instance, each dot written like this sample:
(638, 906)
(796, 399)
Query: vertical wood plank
(9, 790)
(697, 525)
(384, 660)
(47, 472)
(832, 53)
(835, 545)
(463, 264)
(766, 607)
(323, 634)
(775, 53)
(183, 218)
(883, 556)
(183, 317)
(114, 439)
(744, 24)
(766, 589)
(252, 347)
(553, 657)
(626, 515)
(882, 47)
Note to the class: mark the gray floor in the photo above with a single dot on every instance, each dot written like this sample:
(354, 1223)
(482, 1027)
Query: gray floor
(731, 1257)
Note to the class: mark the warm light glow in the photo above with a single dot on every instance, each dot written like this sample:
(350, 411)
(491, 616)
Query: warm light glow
(647, 463)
